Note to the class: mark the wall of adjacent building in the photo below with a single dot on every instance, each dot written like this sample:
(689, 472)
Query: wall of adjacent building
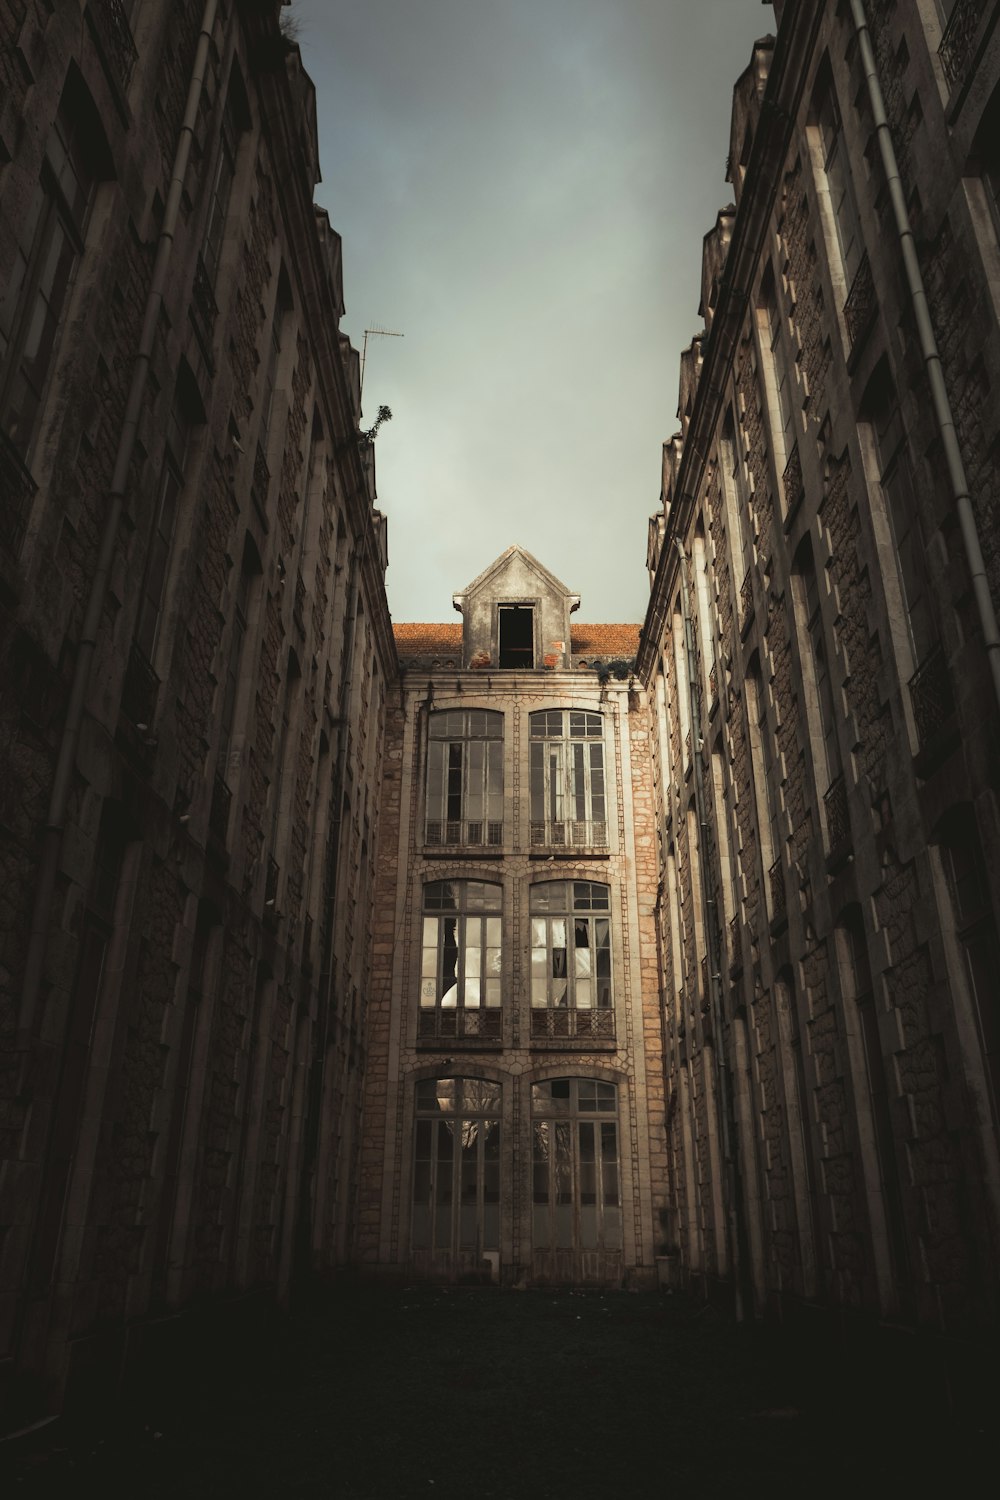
(828, 923)
(186, 864)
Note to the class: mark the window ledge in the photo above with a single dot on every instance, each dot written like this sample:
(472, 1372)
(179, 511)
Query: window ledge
(573, 1044)
(455, 852)
(459, 1043)
(577, 851)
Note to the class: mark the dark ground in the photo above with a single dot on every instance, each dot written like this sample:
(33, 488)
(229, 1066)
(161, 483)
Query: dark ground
(379, 1394)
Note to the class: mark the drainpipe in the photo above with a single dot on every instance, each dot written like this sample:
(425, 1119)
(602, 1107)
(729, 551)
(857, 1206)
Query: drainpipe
(929, 350)
(48, 865)
(712, 937)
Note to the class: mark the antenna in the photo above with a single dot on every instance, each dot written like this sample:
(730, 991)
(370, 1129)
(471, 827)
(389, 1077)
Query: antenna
(376, 332)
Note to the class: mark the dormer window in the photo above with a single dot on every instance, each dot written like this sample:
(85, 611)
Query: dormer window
(517, 636)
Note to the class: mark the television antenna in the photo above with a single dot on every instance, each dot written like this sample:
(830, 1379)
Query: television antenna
(376, 332)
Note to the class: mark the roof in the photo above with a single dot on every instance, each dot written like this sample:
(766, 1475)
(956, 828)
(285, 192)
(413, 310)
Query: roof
(586, 640)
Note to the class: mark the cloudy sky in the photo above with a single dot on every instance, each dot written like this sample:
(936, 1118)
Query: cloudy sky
(522, 187)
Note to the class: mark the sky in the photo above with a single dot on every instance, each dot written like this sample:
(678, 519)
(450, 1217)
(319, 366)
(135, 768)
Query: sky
(522, 188)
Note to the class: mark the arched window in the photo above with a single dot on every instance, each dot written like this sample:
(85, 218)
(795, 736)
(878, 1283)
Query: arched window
(461, 969)
(465, 777)
(568, 803)
(576, 1195)
(456, 1169)
(571, 959)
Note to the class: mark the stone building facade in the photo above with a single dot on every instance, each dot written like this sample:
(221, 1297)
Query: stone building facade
(195, 650)
(514, 1127)
(821, 658)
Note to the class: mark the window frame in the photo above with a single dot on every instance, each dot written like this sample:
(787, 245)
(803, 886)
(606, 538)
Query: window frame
(566, 1116)
(554, 996)
(478, 1004)
(573, 777)
(462, 785)
(440, 1182)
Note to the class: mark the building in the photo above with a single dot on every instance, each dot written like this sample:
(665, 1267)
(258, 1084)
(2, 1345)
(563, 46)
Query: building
(821, 654)
(513, 1117)
(194, 655)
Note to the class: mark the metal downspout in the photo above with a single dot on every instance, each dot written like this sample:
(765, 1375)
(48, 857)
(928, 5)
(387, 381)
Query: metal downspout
(710, 922)
(930, 352)
(48, 865)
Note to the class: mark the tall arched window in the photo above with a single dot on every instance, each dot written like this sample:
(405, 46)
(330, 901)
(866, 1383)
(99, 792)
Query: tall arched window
(461, 968)
(456, 1170)
(571, 959)
(568, 803)
(576, 1194)
(465, 777)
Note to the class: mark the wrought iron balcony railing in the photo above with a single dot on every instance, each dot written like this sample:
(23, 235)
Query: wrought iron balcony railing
(791, 480)
(109, 19)
(838, 825)
(861, 306)
(776, 881)
(958, 43)
(931, 695)
(735, 952)
(746, 600)
(140, 690)
(463, 1021)
(573, 833)
(582, 1025)
(471, 831)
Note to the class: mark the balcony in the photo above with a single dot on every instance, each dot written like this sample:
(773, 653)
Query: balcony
(791, 482)
(140, 691)
(203, 310)
(746, 602)
(861, 305)
(931, 695)
(735, 952)
(108, 20)
(17, 491)
(572, 1025)
(574, 834)
(462, 1023)
(776, 883)
(218, 816)
(958, 44)
(463, 833)
(838, 823)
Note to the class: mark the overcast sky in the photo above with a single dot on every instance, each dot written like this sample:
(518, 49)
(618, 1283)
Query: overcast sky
(522, 187)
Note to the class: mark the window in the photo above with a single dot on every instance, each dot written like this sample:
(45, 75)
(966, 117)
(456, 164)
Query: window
(571, 959)
(461, 967)
(517, 636)
(881, 409)
(829, 767)
(985, 161)
(465, 777)
(976, 932)
(740, 521)
(171, 482)
(222, 187)
(567, 778)
(271, 374)
(50, 238)
(779, 380)
(249, 573)
(576, 1199)
(837, 169)
(456, 1169)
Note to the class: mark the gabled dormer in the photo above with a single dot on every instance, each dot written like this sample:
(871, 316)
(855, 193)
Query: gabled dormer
(515, 616)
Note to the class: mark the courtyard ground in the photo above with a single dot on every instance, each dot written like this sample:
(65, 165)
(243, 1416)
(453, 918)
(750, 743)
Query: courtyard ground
(376, 1394)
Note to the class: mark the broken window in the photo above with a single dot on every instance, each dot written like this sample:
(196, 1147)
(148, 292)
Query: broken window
(576, 1198)
(465, 777)
(461, 960)
(571, 959)
(567, 778)
(456, 1167)
(517, 636)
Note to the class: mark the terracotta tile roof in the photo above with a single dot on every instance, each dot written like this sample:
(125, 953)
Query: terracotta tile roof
(428, 640)
(585, 640)
(604, 640)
